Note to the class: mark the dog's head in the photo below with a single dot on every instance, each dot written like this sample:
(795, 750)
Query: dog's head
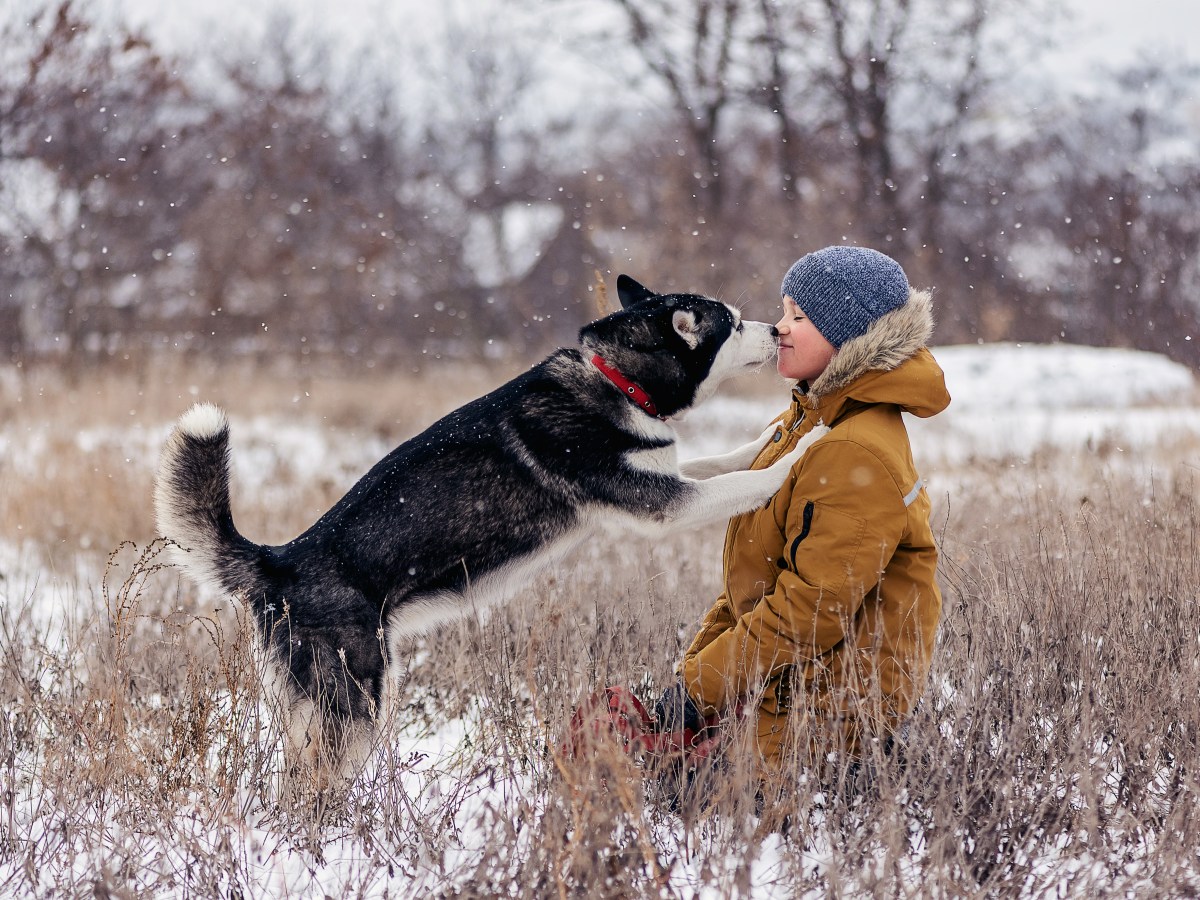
(678, 347)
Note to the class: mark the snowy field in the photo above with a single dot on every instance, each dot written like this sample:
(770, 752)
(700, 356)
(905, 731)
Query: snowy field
(1009, 401)
(1011, 405)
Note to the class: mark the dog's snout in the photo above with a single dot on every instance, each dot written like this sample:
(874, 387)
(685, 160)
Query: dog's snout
(774, 332)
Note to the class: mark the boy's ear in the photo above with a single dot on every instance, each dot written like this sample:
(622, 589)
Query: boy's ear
(630, 292)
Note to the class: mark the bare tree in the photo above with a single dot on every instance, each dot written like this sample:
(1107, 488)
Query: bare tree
(291, 207)
(863, 79)
(690, 49)
(513, 185)
(315, 229)
(94, 116)
(772, 85)
(1108, 207)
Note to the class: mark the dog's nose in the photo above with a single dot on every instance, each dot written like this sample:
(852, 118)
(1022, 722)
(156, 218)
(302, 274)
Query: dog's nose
(774, 331)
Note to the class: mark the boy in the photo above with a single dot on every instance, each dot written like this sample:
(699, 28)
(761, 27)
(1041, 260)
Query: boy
(830, 605)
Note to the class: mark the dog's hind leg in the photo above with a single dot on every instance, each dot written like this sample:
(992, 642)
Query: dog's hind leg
(324, 752)
(328, 715)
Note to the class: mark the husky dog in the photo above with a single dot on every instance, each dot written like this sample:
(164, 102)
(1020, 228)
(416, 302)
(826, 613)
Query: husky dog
(467, 512)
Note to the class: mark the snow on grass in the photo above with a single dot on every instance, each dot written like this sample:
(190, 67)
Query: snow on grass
(1060, 376)
(1010, 401)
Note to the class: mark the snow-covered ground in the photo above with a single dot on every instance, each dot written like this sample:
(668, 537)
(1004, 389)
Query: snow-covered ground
(1009, 402)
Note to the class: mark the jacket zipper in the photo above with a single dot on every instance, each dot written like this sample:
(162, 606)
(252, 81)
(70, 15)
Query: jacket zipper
(791, 429)
(729, 530)
(806, 524)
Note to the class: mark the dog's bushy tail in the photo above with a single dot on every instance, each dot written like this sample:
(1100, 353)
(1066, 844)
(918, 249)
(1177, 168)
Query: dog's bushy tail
(191, 502)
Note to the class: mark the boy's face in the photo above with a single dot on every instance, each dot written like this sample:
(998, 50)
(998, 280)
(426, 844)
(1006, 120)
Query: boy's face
(803, 351)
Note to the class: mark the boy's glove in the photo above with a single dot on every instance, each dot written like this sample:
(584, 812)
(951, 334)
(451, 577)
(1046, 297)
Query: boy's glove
(676, 711)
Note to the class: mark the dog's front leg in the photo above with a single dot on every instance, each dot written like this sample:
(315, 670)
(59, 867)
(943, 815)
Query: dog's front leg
(733, 461)
(734, 493)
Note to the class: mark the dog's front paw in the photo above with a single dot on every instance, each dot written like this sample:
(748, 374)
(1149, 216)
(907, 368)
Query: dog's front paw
(794, 455)
(803, 444)
(782, 466)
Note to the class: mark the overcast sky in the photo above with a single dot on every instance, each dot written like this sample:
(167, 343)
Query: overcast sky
(1102, 30)
(1121, 29)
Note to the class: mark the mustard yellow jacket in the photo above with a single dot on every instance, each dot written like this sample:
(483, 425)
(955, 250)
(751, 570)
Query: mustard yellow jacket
(830, 588)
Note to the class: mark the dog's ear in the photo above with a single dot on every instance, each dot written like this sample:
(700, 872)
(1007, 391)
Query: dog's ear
(684, 323)
(631, 292)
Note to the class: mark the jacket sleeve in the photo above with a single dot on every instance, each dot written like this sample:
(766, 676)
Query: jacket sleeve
(845, 520)
(717, 621)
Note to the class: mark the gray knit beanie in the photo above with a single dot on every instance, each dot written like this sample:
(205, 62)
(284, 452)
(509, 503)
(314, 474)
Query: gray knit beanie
(843, 290)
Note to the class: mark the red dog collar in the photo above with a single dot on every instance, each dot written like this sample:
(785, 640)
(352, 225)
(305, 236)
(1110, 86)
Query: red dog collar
(630, 389)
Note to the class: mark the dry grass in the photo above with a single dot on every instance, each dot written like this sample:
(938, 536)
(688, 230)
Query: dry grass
(77, 472)
(1055, 753)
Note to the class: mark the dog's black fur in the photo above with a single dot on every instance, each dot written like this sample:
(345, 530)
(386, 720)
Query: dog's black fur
(465, 511)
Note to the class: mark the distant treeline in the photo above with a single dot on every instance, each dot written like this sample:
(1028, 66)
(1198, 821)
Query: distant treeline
(459, 199)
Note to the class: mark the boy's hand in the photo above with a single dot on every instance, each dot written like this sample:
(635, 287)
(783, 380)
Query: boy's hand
(676, 711)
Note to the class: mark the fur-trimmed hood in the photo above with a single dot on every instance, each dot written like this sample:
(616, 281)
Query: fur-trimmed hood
(861, 369)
